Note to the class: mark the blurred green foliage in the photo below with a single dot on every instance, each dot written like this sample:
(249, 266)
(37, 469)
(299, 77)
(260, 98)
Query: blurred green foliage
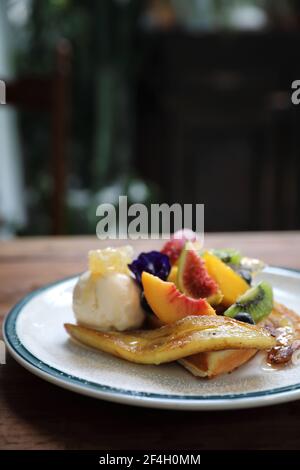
(105, 66)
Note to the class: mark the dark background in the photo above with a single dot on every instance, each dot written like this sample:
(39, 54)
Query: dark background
(165, 101)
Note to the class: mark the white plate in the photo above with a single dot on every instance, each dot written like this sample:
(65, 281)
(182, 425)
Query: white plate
(35, 336)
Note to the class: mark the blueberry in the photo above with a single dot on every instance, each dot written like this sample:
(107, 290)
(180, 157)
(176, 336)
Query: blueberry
(244, 317)
(145, 304)
(246, 275)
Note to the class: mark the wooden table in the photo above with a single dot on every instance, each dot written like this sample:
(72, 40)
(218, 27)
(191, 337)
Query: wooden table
(37, 415)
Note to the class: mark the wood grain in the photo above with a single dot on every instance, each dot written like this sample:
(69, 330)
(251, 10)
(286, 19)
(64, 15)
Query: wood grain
(38, 415)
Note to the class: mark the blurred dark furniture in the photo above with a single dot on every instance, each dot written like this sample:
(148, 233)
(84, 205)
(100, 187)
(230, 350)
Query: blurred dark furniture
(216, 125)
(51, 95)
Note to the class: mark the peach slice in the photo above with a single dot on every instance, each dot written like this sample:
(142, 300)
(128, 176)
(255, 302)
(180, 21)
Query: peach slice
(168, 303)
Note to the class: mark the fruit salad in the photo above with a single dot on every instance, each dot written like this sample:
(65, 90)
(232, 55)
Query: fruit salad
(199, 307)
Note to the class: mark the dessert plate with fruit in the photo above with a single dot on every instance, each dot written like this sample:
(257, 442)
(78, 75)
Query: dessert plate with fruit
(183, 328)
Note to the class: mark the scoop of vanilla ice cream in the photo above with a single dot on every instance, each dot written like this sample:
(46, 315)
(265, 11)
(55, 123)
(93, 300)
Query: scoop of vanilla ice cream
(107, 302)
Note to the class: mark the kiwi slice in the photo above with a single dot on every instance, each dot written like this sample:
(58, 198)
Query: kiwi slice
(228, 255)
(257, 301)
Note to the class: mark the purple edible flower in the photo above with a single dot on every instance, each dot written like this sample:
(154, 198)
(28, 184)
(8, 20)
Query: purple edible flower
(153, 262)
